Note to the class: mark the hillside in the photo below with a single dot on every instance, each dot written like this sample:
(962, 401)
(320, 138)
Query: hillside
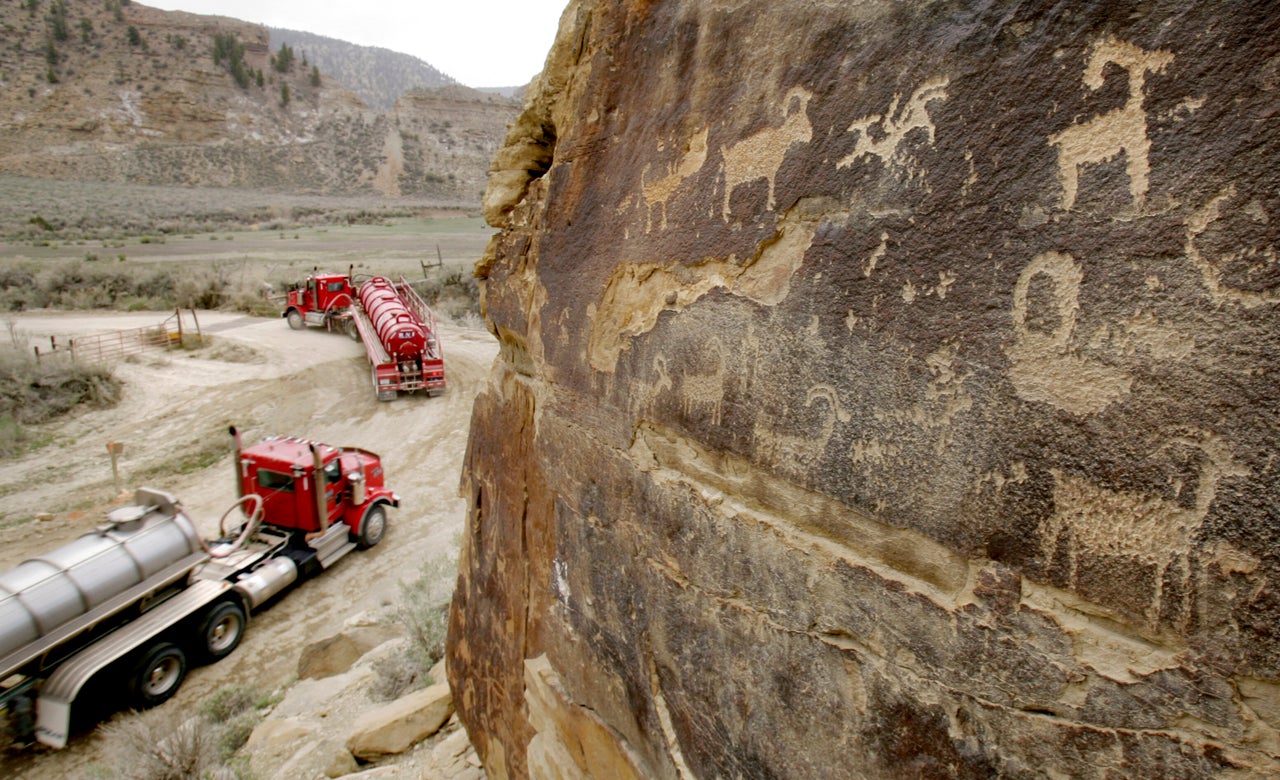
(379, 76)
(121, 92)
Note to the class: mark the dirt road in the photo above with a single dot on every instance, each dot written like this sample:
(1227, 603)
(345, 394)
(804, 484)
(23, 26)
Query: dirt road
(265, 379)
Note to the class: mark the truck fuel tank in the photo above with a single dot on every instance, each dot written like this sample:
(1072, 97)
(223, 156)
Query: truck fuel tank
(267, 580)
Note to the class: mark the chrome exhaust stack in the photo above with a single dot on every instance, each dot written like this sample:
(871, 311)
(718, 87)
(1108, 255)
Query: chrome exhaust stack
(239, 466)
(322, 509)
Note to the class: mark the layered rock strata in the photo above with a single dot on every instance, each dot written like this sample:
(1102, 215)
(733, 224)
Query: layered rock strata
(885, 389)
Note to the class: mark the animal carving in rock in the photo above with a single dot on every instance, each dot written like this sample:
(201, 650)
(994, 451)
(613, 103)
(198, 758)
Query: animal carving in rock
(657, 191)
(892, 127)
(793, 453)
(760, 156)
(1121, 130)
(1149, 530)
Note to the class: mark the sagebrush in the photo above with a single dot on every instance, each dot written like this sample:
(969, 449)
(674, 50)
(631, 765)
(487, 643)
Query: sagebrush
(423, 610)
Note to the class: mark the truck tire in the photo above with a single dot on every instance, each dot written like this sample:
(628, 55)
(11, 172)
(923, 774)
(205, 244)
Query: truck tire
(372, 528)
(295, 319)
(220, 631)
(158, 675)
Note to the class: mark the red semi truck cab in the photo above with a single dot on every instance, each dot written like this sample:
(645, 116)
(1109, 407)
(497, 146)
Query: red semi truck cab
(314, 488)
(323, 301)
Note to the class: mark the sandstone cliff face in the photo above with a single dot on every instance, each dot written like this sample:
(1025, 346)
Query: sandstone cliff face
(153, 107)
(885, 390)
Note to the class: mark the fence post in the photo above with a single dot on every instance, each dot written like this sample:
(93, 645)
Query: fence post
(199, 335)
(37, 349)
(178, 313)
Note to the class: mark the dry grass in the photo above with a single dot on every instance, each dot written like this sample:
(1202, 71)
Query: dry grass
(34, 392)
(155, 746)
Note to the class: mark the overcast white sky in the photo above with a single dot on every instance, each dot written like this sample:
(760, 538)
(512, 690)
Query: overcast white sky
(481, 43)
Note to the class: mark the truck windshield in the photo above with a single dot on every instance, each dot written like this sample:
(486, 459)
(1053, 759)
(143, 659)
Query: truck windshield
(275, 481)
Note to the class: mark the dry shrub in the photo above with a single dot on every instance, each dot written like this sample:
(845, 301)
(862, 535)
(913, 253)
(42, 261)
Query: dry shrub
(423, 609)
(35, 392)
(152, 745)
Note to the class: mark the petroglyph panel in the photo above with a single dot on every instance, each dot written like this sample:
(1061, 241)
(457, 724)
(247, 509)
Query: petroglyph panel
(638, 293)
(1224, 275)
(907, 364)
(782, 440)
(1045, 364)
(882, 135)
(658, 189)
(1092, 521)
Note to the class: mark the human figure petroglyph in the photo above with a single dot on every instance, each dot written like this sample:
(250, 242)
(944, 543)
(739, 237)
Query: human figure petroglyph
(1121, 130)
(1149, 529)
(891, 128)
(760, 156)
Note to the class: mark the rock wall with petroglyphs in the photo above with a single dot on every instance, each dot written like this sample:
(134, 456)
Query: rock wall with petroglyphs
(885, 390)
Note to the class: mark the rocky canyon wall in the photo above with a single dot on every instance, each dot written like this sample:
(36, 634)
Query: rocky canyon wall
(885, 390)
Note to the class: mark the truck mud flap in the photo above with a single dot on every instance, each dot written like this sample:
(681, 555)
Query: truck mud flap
(53, 708)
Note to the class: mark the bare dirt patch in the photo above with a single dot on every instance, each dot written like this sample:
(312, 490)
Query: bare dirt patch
(172, 420)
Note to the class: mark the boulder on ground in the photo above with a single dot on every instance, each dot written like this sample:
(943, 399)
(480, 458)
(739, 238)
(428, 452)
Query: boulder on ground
(338, 653)
(398, 726)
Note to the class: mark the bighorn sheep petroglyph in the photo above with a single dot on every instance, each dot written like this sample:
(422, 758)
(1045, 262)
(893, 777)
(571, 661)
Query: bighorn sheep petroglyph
(760, 156)
(794, 453)
(1150, 530)
(1121, 130)
(658, 191)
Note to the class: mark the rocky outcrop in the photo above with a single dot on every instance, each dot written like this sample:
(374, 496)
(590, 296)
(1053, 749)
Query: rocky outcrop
(884, 390)
(336, 654)
(379, 76)
(329, 723)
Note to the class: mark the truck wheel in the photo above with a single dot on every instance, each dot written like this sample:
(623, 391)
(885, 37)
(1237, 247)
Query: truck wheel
(349, 327)
(221, 630)
(372, 528)
(295, 319)
(158, 675)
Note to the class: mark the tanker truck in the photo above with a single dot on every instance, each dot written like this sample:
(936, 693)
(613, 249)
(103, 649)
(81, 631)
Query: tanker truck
(395, 325)
(119, 613)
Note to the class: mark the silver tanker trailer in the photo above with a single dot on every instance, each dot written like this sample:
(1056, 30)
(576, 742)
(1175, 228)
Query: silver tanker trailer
(133, 601)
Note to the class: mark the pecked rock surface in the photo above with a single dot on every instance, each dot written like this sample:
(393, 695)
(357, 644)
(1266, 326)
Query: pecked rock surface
(885, 390)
